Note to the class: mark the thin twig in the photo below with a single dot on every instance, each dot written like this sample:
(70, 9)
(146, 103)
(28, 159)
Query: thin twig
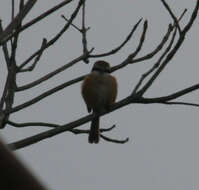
(86, 131)
(50, 133)
(77, 28)
(6, 34)
(172, 15)
(173, 96)
(31, 68)
(192, 19)
(13, 10)
(142, 39)
(161, 44)
(84, 32)
(173, 51)
(53, 73)
(182, 15)
(156, 65)
(5, 48)
(56, 37)
(45, 94)
(3, 97)
(52, 125)
(132, 55)
(181, 103)
(31, 124)
(157, 49)
(114, 140)
(39, 18)
(115, 50)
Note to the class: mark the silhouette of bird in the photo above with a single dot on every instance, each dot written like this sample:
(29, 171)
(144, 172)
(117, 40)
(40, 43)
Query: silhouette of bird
(99, 91)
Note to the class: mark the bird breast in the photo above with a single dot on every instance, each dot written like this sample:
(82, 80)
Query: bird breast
(99, 91)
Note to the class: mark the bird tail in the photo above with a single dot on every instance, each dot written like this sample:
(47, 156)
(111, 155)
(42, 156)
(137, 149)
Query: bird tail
(94, 131)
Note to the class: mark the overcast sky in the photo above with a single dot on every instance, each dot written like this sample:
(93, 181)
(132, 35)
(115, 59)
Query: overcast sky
(163, 150)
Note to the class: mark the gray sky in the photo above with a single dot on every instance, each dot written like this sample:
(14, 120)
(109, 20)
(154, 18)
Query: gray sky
(163, 149)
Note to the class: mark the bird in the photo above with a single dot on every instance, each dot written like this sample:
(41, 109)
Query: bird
(99, 91)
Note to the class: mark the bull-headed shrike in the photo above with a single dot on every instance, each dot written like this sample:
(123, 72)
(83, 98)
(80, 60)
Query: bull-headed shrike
(99, 91)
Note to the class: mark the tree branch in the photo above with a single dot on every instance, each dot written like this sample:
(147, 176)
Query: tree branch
(134, 98)
(44, 95)
(39, 18)
(172, 15)
(84, 32)
(5, 49)
(53, 73)
(192, 19)
(52, 125)
(156, 65)
(31, 68)
(5, 35)
(115, 50)
(114, 140)
(57, 36)
(132, 55)
(182, 103)
(175, 95)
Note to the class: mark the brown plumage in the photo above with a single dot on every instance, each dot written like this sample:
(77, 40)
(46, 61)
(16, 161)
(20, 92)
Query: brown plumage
(99, 91)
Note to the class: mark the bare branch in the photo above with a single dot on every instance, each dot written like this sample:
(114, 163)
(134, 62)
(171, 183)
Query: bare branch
(175, 95)
(39, 18)
(156, 65)
(84, 32)
(115, 50)
(45, 14)
(52, 125)
(53, 73)
(192, 19)
(13, 10)
(162, 43)
(172, 15)
(67, 127)
(108, 129)
(56, 37)
(45, 94)
(157, 49)
(134, 98)
(172, 52)
(60, 129)
(181, 16)
(86, 131)
(5, 91)
(114, 140)
(31, 68)
(132, 55)
(5, 49)
(50, 133)
(77, 28)
(4, 36)
(21, 4)
(31, 124)
(182, 103)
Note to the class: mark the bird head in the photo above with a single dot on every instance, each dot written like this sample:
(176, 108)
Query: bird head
(101, 66)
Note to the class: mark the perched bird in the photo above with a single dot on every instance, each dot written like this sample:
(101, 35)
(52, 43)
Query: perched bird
(99, 91)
